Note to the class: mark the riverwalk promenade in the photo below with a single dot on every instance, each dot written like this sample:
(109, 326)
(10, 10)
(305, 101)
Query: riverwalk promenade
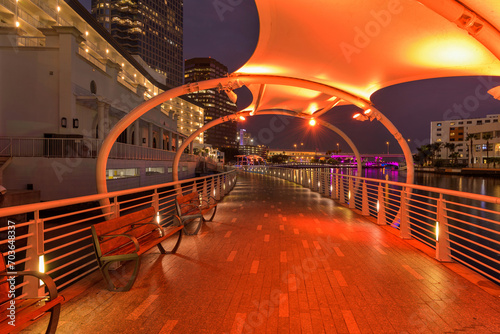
(279, 258)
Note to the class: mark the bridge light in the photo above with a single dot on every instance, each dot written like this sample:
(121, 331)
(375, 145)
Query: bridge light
(437, 231)
(312, 122)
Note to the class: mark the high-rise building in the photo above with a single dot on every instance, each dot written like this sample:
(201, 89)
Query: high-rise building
(217, 104)
(150, 29)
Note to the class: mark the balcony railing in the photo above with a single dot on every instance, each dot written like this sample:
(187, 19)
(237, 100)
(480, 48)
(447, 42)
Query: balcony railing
(55, 236)
(80, 148)
(459, 226)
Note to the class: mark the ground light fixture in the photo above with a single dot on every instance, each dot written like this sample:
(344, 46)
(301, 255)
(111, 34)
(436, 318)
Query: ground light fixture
(312, 122)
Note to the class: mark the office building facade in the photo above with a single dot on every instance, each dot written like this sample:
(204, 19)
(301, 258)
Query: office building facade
(149, 29)
(216, 104)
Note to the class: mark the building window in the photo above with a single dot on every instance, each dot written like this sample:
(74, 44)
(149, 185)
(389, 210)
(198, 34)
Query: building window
(452, 123)
(121, 173)
(479, 122)
(439, 124)
(469, 122)
(155, 170)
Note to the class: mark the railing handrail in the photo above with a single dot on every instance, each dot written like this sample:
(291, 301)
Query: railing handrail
(477, 197)
(14, 210)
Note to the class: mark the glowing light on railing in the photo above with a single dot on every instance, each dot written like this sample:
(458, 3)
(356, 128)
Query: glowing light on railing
(41, 263)
(41, 267)
(378, 206)
(17, 24)
(242, 118)
(349, 194)
(86, 33)
(437, 231)
(107, 51)
(58, 9)
(312, 122)
(158, 218)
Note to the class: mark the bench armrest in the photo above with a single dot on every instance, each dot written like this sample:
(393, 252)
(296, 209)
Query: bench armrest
(44, 277)
(134, 239)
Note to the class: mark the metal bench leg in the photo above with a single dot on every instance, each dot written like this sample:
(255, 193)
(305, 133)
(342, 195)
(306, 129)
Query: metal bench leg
(176, 244)
(107, 277)
(54, 319)
(212, 217)
(200, 221)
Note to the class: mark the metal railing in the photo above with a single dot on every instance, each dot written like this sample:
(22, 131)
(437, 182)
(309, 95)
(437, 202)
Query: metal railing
(55, 236)
(80, 148)
(462, 227)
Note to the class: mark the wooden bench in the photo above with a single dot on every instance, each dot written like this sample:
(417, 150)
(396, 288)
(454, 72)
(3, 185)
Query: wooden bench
(26, 310)
(126, 237)
(193, 209)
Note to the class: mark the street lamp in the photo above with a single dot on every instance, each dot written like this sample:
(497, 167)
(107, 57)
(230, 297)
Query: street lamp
(338, 148)
(387, 147)
(295, 145)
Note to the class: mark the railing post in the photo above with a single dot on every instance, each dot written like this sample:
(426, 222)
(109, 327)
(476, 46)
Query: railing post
(365, 210)
(337, 187)
(116, 208)
(342, 195)
(443, 252)
(217, 188)
(204, 191)
(195, 188)
(156, 200)
(404, 224)
(381, 205)
(352, 202)
(326, 184)
(36, 240)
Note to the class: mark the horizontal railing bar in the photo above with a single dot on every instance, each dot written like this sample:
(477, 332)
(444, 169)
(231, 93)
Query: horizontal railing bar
(473, 207)
(475, 268)
(59, 287)
(15, 210)
(471, 224)
(74, 213)
(66, 235)
(67, 254)
(475, 260)
(75, 269)
(473, 216)
(473, 233)
(69, 243)
(474, 251)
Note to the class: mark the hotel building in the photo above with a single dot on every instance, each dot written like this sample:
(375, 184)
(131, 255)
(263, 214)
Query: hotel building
(150, 29)
(65, 83)
(457, 131)
(216, 104)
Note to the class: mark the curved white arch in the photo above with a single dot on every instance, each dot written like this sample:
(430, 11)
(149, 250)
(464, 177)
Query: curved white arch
(175, 164)
(229, 81)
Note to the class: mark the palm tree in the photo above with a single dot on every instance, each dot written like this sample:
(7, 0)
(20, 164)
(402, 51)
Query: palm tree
(435, 149)
(487, 137)
(424, 152)
(449, 147)
(470, 137)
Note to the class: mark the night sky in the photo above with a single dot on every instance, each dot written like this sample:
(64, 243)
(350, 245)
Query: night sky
(231, 37)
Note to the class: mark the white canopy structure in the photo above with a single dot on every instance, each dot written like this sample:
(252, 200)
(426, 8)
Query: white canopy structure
(313, 55)
(361, 46)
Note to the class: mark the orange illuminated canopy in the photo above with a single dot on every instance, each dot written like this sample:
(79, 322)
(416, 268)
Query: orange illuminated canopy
(361, 46)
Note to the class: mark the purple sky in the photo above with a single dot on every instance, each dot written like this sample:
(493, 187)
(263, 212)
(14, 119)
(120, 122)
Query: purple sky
(231, 36)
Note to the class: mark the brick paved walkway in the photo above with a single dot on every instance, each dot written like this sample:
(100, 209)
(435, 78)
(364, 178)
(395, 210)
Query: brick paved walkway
(281, 259)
